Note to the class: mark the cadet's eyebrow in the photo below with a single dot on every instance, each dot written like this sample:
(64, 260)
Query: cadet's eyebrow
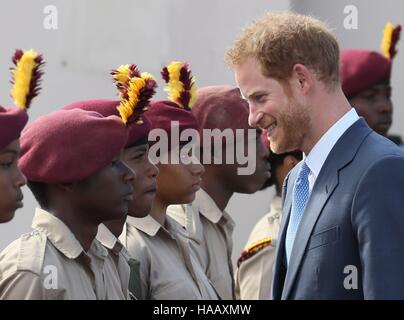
(371, 90)
(377, 88)
(9, 151)
(140, 148)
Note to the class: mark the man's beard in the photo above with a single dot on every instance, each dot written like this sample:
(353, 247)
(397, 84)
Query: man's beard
(294, 123)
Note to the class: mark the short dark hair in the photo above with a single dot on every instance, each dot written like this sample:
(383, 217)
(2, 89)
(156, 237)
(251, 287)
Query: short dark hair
(39, 190)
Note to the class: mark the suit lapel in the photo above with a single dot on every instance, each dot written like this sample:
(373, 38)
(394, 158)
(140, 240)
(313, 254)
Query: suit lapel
(324, 187)
(327, 181)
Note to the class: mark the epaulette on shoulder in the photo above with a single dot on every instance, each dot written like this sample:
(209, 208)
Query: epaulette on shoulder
(32, 252)
(253, 249)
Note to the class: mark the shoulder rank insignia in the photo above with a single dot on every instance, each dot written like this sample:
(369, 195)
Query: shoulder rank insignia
(253, 249)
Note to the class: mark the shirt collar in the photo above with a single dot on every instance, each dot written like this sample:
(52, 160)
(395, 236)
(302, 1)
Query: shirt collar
(61, 236)
(150, 226)
(147, 224)
(318, 155)
(208, 208)
(108, 239)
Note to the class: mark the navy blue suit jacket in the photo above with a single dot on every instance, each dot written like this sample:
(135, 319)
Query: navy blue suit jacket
(350, 241)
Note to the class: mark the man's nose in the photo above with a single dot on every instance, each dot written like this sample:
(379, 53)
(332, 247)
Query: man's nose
(385, 106)
(254, 116)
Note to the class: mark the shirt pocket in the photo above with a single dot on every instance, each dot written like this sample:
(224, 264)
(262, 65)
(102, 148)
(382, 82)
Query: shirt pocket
(324, 237)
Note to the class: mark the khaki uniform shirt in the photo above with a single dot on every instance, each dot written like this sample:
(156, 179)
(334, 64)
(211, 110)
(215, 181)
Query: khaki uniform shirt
(168, 271)
(254, 274)
(49, 263)
(211, 231)
(116, 264)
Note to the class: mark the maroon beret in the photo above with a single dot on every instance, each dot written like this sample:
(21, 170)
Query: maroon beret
(70, 145)
(220, 107)
(361, 69)
(162, 113)
(12, 121)
(137, 131)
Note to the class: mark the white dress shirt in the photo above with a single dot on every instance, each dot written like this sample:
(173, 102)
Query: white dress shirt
(317, 156)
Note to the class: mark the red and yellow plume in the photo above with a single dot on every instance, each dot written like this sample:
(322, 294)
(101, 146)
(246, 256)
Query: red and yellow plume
(391, 35)
(26, 77)
(123, 74)
(135, 89)
(181, 86)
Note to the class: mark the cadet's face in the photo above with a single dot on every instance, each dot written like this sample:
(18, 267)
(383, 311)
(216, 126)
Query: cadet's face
(273, 107)
(108, 193)
(248, 183)
(11, 181)
(374, 104)
(145, 184)
(177, 183)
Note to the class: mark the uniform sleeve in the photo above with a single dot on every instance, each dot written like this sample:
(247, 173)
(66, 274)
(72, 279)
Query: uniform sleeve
(21, 285)
(378, 220)
(254, 275)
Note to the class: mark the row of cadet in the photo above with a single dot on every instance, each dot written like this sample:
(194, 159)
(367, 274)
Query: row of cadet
(114, 225)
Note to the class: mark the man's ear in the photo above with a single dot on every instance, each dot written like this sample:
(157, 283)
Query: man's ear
(303, 78)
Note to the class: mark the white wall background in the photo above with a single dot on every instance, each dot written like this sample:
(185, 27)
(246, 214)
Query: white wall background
(372, 17)
(94, 36)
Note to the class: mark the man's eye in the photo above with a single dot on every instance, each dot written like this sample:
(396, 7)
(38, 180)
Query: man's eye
(369, 96)
(6, 165)
(261, 99)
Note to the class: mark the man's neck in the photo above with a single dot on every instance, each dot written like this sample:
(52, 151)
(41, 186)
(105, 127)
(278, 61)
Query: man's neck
(330, 108)
(159, 211)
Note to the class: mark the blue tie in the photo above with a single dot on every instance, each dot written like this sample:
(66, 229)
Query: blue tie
(299, 201)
